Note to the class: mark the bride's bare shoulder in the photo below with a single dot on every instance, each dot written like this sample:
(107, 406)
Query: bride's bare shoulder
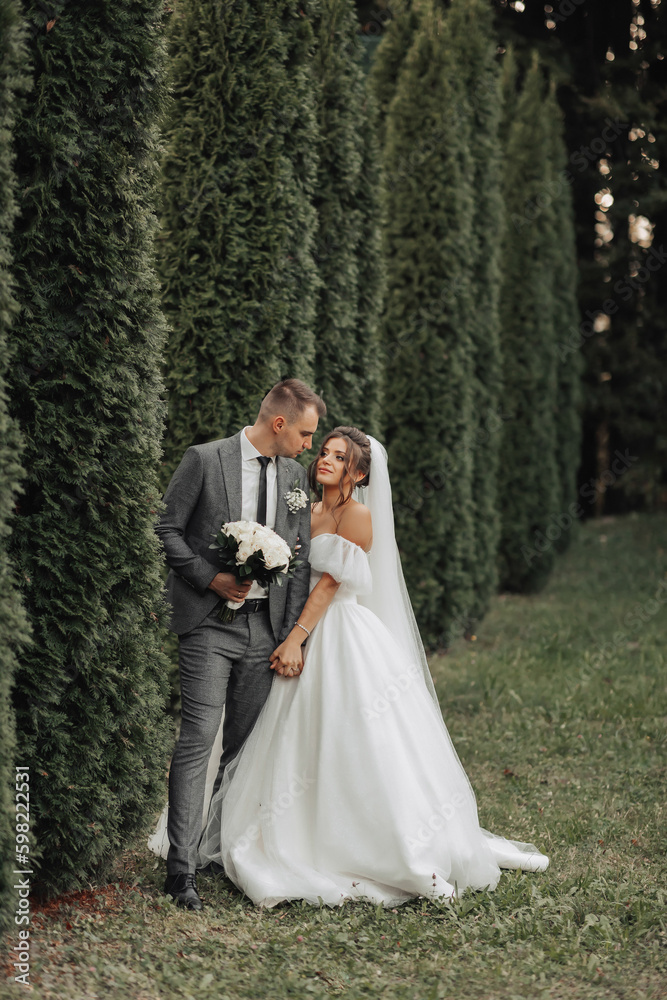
(356, 524)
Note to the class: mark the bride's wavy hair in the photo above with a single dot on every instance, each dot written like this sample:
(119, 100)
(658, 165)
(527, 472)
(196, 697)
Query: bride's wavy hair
(357, 459)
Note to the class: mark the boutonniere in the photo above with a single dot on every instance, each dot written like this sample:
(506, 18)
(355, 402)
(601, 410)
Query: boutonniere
(295, 499)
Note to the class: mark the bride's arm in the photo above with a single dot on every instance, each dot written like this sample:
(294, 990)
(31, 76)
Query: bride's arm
(287, 657)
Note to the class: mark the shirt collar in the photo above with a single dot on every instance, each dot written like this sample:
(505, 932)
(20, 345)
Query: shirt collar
(248, 450)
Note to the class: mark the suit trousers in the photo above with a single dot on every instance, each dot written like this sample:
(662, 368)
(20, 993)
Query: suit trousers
(222, 665)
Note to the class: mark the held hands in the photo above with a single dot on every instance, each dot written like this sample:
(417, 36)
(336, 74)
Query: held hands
(287, 658)
(226, 585)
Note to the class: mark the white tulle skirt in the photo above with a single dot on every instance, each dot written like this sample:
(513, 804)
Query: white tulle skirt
(349, 786)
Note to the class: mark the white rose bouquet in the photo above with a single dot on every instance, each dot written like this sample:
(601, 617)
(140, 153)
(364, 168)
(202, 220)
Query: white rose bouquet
(252, 552)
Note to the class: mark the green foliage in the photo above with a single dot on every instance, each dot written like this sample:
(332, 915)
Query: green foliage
(238, 224)
(85, 389)
(347, 364)
(389, 56)
(297, 276)
(444, 419)
(371, 270)
(509, 88)
(13, 621)
(430, 423)
(471, 27)
(528, 483)
(569, 359)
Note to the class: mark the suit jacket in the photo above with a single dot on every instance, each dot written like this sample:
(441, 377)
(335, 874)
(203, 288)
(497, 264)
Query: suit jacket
(204, 493)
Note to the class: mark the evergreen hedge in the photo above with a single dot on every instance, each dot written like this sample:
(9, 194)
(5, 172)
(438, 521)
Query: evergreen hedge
(529, 483)
(389, 56)
(236, 250)
(427, 326)
(569, 360)
(85, 389)
(347, 367)
(372, 273)
(473, 37)
(13, 621)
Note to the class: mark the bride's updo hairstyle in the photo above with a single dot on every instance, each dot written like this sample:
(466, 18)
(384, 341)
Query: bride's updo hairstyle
(357, 459)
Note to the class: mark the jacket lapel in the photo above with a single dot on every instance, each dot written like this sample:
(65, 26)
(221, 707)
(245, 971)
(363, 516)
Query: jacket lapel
(230, 466)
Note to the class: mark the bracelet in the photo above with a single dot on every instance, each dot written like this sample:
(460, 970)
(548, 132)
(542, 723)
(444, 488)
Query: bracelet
(304, 628)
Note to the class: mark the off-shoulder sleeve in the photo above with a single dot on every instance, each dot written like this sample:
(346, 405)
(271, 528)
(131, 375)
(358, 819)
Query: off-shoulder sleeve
(346, 562)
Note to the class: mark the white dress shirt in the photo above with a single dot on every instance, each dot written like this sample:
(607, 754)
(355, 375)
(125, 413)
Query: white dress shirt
(250, 469)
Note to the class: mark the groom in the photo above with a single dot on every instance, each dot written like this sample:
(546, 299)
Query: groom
(243, 477)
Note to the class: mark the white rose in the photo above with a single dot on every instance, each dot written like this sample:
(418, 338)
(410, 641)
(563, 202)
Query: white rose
(240, 530)
(276, 553)
(263, 534)
(245, 550)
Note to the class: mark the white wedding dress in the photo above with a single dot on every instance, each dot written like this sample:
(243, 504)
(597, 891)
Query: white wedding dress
(348, 786)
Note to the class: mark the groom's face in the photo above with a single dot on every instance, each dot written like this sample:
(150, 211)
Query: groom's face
(297, 437)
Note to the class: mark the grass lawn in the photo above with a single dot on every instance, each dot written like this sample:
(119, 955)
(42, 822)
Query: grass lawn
(557, 710)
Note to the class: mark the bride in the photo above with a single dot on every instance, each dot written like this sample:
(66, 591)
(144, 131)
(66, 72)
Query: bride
(349, 787)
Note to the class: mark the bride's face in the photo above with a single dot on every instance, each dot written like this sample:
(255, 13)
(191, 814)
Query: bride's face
(330, 463)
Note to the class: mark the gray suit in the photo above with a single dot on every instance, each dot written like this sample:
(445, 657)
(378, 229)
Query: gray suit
(219, 663)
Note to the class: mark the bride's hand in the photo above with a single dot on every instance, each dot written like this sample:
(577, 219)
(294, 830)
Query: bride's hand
(287, 659)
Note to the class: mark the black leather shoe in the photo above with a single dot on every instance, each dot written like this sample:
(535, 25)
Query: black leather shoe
(183, 887)
(212, 868)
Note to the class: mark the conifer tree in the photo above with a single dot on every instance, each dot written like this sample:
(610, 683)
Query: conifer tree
(236, 251)
(389, 56)
(347, 366)
(529, 486)
(299, 277)
(85, 389)
(471, 27)
(509, 89)
(569, 358)
(372, 275)
(427, 331)
(13, 621)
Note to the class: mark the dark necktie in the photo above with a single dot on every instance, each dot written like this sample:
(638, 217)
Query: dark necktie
(261, 495)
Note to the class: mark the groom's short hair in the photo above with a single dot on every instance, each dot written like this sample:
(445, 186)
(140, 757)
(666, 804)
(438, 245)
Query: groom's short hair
(289, 398)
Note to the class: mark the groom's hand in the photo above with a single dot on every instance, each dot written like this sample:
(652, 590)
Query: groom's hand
(226, 585)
